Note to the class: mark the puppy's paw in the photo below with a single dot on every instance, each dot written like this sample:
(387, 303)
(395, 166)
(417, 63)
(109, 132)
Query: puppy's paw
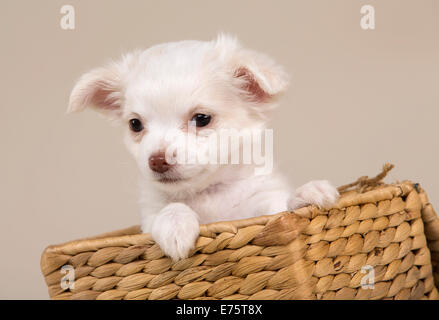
(317, 192)
(175, 230)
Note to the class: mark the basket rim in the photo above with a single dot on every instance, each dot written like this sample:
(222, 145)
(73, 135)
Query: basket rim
(132, 235)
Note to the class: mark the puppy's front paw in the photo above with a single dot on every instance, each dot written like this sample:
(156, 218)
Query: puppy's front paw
(175, 230)
(317, 192)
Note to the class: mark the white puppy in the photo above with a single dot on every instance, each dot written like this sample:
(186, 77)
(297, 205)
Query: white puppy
(173, 91)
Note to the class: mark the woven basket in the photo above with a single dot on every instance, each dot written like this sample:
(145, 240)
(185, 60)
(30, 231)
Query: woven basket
(310, 253)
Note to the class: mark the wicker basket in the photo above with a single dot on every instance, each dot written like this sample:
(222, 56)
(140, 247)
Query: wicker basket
(311, 253)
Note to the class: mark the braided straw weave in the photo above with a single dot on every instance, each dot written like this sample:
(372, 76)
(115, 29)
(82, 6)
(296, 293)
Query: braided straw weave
(311, 253)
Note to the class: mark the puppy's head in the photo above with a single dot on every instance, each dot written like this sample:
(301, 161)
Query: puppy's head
(171, 92)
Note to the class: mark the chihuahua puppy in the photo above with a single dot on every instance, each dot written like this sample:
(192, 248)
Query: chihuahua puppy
(192, 89)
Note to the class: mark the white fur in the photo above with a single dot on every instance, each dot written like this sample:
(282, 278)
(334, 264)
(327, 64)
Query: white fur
(162, 86)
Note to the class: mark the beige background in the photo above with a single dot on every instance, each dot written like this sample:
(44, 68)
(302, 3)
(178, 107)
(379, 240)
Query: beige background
(358, 99)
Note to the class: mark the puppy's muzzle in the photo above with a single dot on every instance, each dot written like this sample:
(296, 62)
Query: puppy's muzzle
(157, 163)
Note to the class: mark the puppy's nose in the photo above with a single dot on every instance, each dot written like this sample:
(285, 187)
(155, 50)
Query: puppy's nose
(157, 162)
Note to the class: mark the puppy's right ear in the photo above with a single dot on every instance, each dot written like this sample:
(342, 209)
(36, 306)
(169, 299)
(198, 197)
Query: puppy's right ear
(100, 89)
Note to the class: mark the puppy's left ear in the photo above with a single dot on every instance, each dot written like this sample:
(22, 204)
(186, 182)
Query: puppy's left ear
(260, 78)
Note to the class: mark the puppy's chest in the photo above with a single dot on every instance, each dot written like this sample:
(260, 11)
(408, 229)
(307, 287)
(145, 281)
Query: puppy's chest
(228, 204)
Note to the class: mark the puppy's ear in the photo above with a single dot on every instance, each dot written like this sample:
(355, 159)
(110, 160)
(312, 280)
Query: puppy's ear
(256, 76)
(260, 79)
(100, 89)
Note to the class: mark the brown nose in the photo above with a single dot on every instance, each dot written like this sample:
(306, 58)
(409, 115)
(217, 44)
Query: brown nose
(157, 162)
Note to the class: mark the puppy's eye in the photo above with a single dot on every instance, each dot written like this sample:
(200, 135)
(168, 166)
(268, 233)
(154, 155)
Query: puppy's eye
(136, 125)
(201, 120)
